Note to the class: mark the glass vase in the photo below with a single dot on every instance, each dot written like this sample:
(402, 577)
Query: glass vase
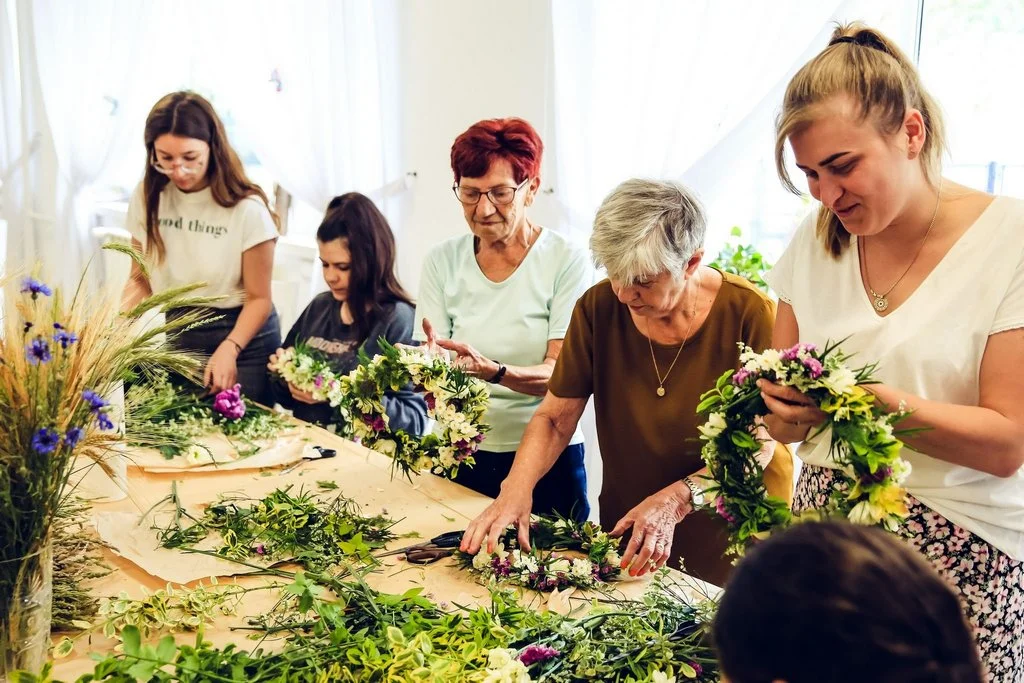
(25, 633)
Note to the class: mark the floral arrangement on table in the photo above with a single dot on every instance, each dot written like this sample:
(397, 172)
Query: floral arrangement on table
(304, 528)
(863, 445)
(342, 630)
(77, 560)
(59, 358)
(563, 554)
(175, 417)
(456, 401)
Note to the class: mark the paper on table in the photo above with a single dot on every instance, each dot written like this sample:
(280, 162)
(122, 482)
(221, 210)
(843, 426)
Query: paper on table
(283, 451)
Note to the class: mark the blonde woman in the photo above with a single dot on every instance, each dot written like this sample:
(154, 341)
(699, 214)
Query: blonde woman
(925, 277)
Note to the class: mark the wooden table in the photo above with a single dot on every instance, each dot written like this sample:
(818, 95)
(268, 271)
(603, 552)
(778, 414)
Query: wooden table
(429, 505)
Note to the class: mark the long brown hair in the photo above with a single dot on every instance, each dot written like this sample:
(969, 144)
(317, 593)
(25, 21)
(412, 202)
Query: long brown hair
(189, 115)
(835, 602)
(866, 65)
(372, 279)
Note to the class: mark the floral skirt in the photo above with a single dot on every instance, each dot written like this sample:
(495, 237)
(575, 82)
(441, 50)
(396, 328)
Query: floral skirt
(989, 583)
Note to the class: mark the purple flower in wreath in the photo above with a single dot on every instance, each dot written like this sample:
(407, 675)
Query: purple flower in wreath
(722, 511)
(741, 376)
(880, 475)
(430, 400)
(815, 366)
(38, 351)
(318, 381)
(45, 440)
(229, 403)
(536, 654)
(35, 287)
(697, 668)
(796, 351)
(260, 549)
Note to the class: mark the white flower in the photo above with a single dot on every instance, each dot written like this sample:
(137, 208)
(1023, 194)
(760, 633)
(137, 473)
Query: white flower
(446, 456)
(560, 565)
(662, 677)
(423, 463)
(197, 455)
(840, 381)
(612, 559)
(582, 568)
(771, 359)
(385, 446)
(482, 560)
(714, 426)
(529, 564)
(500, 657)
(862, 514)
(901, 470)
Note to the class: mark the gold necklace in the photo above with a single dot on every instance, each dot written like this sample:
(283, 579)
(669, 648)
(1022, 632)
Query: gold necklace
(881, 301)
(693, 316)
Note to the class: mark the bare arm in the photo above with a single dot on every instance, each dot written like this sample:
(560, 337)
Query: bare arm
(988, 437)
(257, 263)
(546, 436)
(524, 379)
(137, 288)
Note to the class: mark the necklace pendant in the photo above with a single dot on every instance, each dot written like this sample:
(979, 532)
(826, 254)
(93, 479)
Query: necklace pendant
(661, 391)
(881, 303)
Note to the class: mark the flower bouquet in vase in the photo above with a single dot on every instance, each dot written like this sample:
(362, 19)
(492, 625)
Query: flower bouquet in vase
(59, 360)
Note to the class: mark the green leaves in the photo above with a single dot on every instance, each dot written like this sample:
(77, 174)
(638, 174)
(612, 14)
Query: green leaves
(743, 260)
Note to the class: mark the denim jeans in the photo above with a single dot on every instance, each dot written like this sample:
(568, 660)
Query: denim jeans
(251, 362)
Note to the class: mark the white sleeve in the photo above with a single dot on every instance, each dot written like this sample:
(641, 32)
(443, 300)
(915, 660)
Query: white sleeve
(135, 219)
(430, 303)
(256, 222)
(780, 277)
(1010, 314)
(575, 278)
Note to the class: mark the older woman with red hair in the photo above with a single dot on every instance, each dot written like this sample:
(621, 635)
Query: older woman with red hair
(500, 298)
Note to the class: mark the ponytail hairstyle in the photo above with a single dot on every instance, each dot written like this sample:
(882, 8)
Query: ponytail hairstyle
(188, 115)
(866, 65)
(372, 280)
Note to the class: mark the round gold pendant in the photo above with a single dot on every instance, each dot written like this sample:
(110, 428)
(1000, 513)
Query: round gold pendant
(661, 391)
(881, 303)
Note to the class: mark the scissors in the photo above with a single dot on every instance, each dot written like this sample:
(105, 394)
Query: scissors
(433, 550)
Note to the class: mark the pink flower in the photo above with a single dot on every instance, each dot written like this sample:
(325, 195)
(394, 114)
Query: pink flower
(796, 351)
(534, 654)
(722, 511)
(815, 366)
(229, 403)
(374, 422)
(261, 549)
(429, 399)
(318, 381)
(697, 667)
(741, 376)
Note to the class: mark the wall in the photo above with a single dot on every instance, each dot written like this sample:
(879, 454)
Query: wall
(462, 61)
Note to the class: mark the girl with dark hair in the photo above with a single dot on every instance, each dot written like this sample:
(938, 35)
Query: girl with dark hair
(365, 303)
(198, 218)
(836, 602)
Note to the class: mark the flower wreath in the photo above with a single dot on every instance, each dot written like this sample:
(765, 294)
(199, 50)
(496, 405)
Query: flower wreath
(545, 568)
(863, 443)
(456, 401)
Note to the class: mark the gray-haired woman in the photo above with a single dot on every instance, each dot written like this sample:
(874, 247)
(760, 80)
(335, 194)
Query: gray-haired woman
(645, 343)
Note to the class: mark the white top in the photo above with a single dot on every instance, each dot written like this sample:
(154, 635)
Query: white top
(508, 321)
(204, 241)
(930, 346)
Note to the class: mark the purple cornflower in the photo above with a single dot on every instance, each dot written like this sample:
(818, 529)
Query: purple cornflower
(104, 421)
(94, 400)
(35, 287)
(229, 403)
(38, 351)
(534, 654)
(73, 436)
(45, 440)
(63, 337)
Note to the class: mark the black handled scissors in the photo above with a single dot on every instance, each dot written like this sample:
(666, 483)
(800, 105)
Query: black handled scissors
(433, 550)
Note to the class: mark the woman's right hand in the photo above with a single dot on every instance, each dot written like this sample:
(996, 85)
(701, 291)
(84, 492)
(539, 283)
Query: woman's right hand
(302, 396)
(508, 508)
(274, 359)
(433, 348)
(792, 414)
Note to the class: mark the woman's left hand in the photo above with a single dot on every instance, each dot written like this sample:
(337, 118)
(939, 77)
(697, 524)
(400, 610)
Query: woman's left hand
(793, 414)
(221, 370)
(469, 359)
(654, 523)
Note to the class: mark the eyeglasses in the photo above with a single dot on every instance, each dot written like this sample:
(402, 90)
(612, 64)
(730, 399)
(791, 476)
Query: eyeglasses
(187, 167)
(499, 196)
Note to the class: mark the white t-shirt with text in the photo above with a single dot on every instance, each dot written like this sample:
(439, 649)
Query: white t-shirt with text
(204, 241)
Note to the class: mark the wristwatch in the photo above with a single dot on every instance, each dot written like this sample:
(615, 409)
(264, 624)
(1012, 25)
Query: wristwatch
(499, 374)
(696, 493)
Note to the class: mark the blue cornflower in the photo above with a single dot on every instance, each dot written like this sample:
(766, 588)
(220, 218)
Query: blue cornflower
(45, 440)
(38, 351)
(73, 436)
(104, 421)
(35, 287)
(95, 401)
(64, 338)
